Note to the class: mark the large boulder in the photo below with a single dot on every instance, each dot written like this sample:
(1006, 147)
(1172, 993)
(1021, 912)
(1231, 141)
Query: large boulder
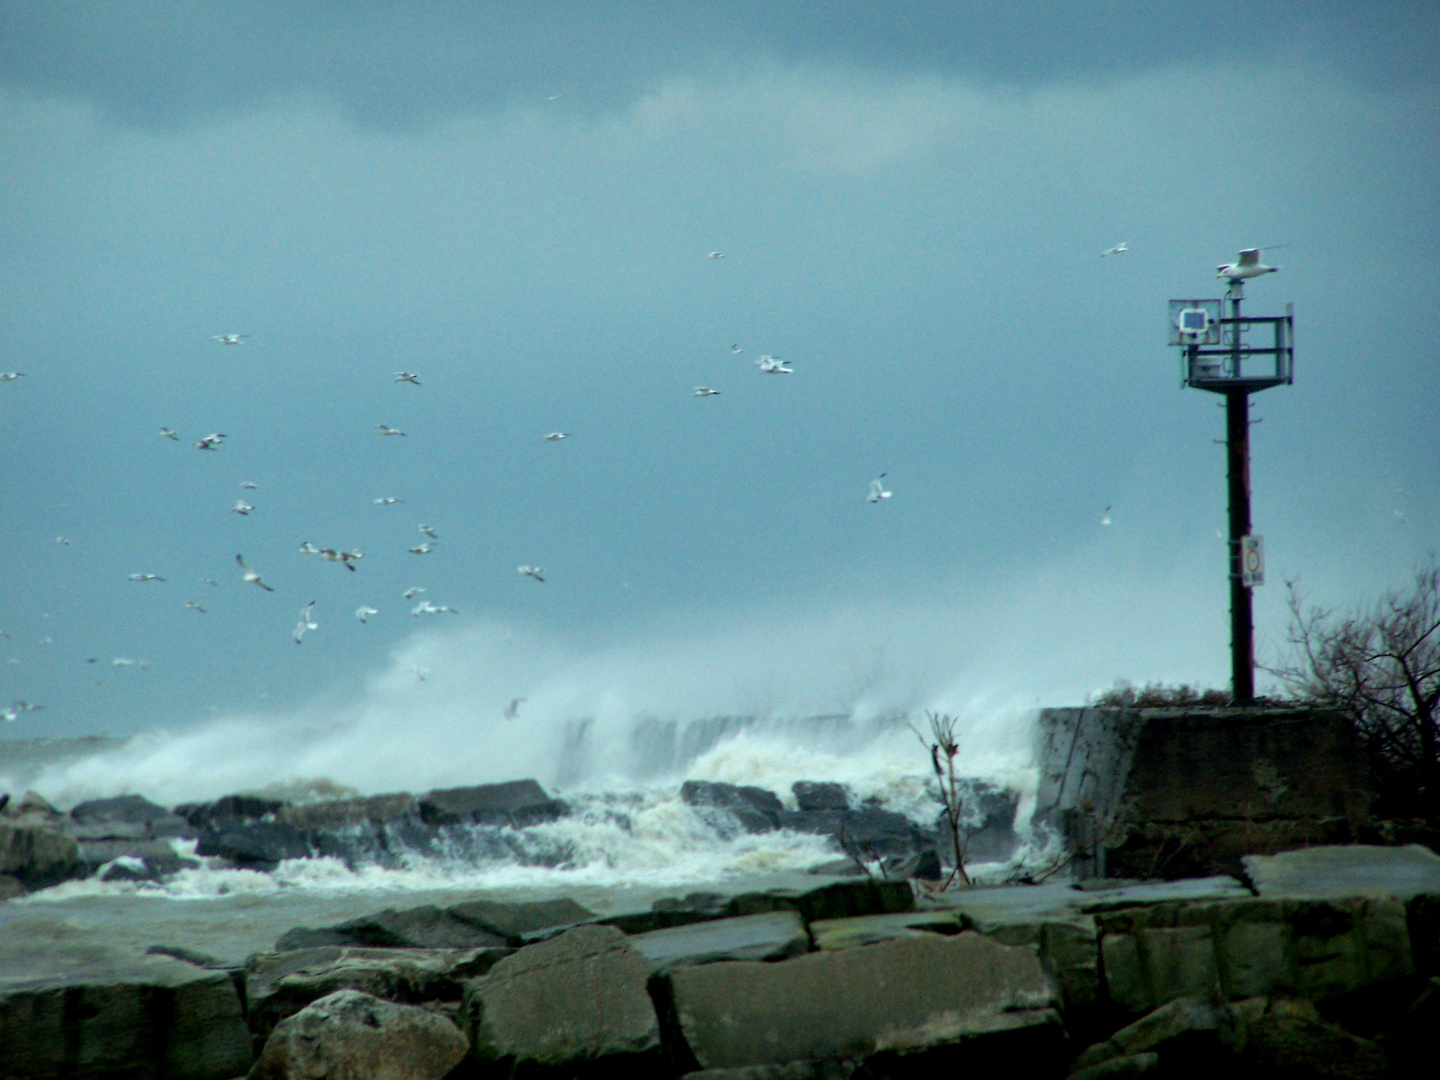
(514, 921)
(280, 984)
(426, 927)
(869, 831)
(336, 814)
(229, 808)
(35, 849)
(835, 900)
(350, 1035)
(900, 997)
(92, 1013)
(578, 1000)
(1346, 870)
(254, 844)
(754, 808)
(820, 795)
(517, 803)
(771, 936)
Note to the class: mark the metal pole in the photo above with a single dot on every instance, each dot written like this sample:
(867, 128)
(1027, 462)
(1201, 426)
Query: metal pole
(1242, 627)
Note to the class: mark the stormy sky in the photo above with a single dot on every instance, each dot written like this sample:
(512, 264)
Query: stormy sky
(516, 201)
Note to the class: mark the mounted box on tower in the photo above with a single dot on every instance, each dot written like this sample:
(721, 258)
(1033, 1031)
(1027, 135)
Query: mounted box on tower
(1214, 354)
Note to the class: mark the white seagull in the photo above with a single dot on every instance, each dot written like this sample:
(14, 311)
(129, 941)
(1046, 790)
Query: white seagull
(386, 500)
(12, 712)
(1248, 266)
(421, 549)
(428, 530)
(305, 622)
(209, 581)
(308, 548)
(146, 577)
(773, 365)
(704, 391)
(531, 571)
(715, 255)
(249, 485)
(211, 442)
(250, 575)
(229, 339)
(63, 541)
(427, 608)
(169, 433)
(241, 507)
(386, 429)
(407, 376)
(556, 436)
(735, 350)
(877, 490)
(1118, 249)
(1105, 517)
(345, 558)
(193, 606)
(11, 376)
(364, 613)
(414, 591)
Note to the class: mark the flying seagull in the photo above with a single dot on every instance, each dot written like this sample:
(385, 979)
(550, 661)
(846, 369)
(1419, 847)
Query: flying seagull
(715, 255)
(169, 433)
(386, 429)
(193, 606)
(229, 339)
(427, 608)
(146, 577)
(250, 575)
(735, 350)
(11, 376)
(428, 530)
(531, 571)
(308, 548)
(12, 712)
(63, 541)
(209, 581)
(556, 436)
(1248, 266)
(211, 442)
(421, 549)
(407, 376)
(386, 500)
(414, 591)
(249, 485)
(242, 508)
(364, 613)
(305, 622)
(1118, 249)
(704, 391)
(1105, 517)
(513, 708)
(345, 558)
(877, 490)
(773, 365)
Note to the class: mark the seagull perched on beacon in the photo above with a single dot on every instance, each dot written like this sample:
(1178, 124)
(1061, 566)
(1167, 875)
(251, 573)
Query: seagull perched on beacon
(386, 500)
(428, 530)
(556, 436)
(386, 429)
(531, 571)
(1118, 249)
(169, 433)
(11, 376)
(306, 622)
(241, 507)
(773, 365)
(1248, 266)
(364, 613)
(407, 376)
(421, 549)
(877, 490)
(414, 591)
(211, 442)
(250, 575)
(704, 391)
(229, 339)
(146, 577)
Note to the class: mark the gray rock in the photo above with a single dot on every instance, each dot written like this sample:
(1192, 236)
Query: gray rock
(1119, 1068)
(517, 803)
(869, 830)
(35, 849)
(902, 996)
(350, 1035)
(820, 795)
(424, 927)
(342, 813)
(229, 808)
(834, 900)
(513, 920)
(575, 1000)
(755, 808)
(794, 1070)
(1402, 872)
(1170, 1021)
(1289, 1036)
(772, 936)
(869, 929)
(129, 809)
(280, 984)
(99, 1014)
(254, 844)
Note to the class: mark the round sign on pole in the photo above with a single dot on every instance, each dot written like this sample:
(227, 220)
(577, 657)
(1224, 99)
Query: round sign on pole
(1252, 561)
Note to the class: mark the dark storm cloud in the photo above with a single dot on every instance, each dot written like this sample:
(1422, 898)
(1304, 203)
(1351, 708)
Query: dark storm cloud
(390, 64)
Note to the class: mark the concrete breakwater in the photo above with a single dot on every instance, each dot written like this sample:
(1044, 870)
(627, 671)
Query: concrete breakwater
(1322, 962)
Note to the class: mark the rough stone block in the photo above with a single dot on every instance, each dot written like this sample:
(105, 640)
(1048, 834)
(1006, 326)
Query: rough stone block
(756, 809)
(1355, 870)
(820, 795)
(835, 900)
(774, 935)
(1069, 949)
(255, 844)
(350, 1035)
(904, 995)
(343, 813)
(870, 929)
(517, 803)
(514, 920)
(426, 927)
(576, 999)
(37, 852)
(1148, 968)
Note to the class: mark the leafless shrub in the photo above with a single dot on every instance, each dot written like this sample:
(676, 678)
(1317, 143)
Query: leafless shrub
(1380, 666)
(1125, 694)
(943, 743)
